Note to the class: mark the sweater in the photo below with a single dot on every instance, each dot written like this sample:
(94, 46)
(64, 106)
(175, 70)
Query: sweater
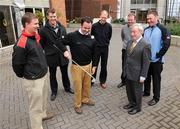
(83, 48)
(102, 33)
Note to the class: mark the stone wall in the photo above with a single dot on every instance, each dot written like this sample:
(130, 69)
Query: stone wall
(175, 40)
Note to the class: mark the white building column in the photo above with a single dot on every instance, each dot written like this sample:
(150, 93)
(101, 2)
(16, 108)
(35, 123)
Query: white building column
(19, 7)
(118, 15)
(161, 6)
(126, 8)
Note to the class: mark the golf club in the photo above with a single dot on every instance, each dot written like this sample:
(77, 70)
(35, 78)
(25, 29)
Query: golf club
(93, 79)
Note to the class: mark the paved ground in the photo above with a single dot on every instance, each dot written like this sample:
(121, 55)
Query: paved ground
(108, 112)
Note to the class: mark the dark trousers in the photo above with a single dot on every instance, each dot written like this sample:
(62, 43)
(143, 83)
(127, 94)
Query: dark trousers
(154, 71)
(134, 93)
(53, 80)
(103, 55)
(123, 79)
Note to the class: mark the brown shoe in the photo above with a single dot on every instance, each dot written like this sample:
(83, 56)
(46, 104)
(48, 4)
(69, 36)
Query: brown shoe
(49, 116)
(90, 103)
(78, 110)
(103, 85)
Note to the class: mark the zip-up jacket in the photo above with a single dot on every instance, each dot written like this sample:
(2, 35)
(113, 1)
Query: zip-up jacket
(49, 38)
(28, 59)
(159, 38)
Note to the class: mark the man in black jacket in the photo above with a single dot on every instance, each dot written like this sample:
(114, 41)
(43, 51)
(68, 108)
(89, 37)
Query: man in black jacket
(29, 63)
(102, 32)
(51, 34)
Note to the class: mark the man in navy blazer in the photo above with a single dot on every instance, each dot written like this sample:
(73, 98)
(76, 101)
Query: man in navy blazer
(136, 68)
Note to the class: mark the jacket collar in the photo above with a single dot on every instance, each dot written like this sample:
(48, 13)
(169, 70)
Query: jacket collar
(36, 35)
(49, 26)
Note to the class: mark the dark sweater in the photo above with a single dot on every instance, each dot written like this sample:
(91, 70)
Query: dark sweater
(83, 48)
(102, 33)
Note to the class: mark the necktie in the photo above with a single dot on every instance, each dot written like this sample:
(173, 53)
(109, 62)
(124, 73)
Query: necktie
(132, 46)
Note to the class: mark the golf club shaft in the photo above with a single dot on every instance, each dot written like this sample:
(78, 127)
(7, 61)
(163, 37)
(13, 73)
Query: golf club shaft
(75, 63)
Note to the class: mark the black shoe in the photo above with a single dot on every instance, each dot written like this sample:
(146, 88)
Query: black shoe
(53, 97)
(152, 102)
(146, 94)
(92, 83)
(120, 85)
(128, 106)
(69, 91)
(133, 111)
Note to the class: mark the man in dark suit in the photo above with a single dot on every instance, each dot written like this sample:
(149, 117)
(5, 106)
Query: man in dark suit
(136, 67)
(52, 34)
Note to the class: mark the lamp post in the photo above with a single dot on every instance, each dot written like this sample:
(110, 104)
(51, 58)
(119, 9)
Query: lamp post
(165, 19)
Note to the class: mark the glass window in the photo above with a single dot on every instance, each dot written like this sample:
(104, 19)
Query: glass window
(154, 1)
(139, 1)
(6, 26)
(133, 1)
(28, 10)
(147, 1)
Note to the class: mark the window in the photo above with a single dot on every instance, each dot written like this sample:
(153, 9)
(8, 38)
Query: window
(139, 1)
(133, 1)
(6, 27)
(154, 1)
(28, 10)
(147, 1)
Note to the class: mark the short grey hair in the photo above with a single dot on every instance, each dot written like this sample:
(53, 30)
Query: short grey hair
(138, 26)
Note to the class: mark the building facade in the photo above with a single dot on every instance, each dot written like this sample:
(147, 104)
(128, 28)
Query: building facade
(140, 8)
(116, 8)
(92, 8)
(11, 12)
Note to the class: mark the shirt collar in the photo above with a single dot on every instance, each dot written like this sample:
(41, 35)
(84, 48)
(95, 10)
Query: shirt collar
(82, 32)
(138, 39)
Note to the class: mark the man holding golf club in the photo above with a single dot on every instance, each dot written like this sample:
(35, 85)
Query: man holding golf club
(84, 62)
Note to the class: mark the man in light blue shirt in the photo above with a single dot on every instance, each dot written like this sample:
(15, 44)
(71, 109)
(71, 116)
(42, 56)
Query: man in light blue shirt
(159, 38)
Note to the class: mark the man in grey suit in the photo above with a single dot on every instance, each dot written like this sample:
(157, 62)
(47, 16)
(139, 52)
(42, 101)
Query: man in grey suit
(136, 67)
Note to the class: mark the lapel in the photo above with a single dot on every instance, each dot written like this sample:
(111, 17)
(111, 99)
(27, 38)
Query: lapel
(52, 32)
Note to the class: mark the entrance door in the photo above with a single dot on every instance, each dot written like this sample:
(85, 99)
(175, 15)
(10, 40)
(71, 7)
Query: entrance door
(141, 16)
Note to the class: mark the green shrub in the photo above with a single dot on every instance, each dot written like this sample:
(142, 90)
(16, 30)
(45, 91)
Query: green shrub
(174, 28)
(119, 21)
(40, 17)
(76, 20)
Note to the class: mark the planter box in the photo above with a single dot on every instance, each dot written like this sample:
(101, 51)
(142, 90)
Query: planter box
(175, 40)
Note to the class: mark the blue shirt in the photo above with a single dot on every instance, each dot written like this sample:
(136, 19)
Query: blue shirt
(153, 36)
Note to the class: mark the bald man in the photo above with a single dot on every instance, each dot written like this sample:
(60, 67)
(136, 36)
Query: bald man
(102, 32)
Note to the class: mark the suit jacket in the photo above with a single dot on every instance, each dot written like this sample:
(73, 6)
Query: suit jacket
(137, 62)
